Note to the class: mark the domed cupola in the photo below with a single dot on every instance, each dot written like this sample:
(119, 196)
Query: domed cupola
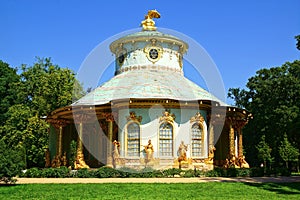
(149, 49)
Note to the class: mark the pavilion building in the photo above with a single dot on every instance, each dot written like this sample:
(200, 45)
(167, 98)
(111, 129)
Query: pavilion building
(149, 99)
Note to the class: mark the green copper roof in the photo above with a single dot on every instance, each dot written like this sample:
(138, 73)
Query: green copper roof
(146, 84)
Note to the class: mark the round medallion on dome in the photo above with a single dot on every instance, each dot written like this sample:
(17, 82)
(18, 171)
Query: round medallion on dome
(153, 52)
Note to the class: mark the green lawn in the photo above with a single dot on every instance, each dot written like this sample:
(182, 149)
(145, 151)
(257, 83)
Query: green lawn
(210, 190)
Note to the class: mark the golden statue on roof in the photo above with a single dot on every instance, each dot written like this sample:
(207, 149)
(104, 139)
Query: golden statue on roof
(148, 24)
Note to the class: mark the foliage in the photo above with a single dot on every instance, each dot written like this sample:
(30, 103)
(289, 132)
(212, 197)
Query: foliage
(171, 172)
(36, 141)
(273, 97)
(32, 173)
(8, 78)
(11, 162)
(45, 86)
(30, 132)
(61, 172)
(287, 151)
(264, 151)
(107, 172)
(30, 96)
(73, 151)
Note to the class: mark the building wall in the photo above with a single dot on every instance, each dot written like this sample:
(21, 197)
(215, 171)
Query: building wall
(149, 128)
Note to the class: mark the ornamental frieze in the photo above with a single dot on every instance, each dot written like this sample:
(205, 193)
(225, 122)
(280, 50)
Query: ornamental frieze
(57, 123)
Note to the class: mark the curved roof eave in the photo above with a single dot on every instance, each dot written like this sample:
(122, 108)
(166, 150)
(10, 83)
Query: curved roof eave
(147, 84)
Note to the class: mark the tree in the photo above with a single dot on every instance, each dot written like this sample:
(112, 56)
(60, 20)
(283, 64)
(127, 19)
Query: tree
(264, 152)
(36, 141)
(11, 162)
(273, 97)
(287, 152)
(8, 78)
(45, 86)
(42, 88)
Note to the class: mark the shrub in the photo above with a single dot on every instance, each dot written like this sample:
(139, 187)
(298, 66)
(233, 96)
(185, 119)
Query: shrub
(107, 172)
(231, 172)
(243, 172)
(171, 172)
(11, 162)
(85, 173)
(33, 173)
(126, 172)
(216, 172)
(282, 172)
(189, 173)
(61, 172)
(256, 171)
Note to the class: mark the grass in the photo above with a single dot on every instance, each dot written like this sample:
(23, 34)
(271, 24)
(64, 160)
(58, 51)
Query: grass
(209, 190)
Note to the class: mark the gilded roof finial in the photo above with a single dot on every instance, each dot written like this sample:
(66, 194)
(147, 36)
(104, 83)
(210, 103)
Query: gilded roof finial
(148, 24)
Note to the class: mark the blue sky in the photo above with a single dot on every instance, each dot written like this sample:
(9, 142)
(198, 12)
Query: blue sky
(240, 36)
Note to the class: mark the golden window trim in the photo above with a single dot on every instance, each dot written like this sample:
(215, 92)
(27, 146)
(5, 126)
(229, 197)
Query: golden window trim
(131, 139)
(169, 139)
(197, 122)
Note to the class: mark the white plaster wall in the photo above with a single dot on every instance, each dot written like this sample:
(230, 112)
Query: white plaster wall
(137, 57)
(150, 127)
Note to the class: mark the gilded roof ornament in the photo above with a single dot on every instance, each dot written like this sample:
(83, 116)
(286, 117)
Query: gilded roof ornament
(148, 24)
(197, 118)
(167, 117)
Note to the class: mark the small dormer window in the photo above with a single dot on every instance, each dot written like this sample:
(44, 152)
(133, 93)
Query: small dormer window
(121, 59)
(121, 55)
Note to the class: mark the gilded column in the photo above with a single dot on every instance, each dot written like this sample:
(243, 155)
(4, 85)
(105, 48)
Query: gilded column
(240, 143)
(79, 139)
(80, 161)
(110, 120)
(60, 141)
(58, 124)
(231, 140)
(211, 142)
(110, 134)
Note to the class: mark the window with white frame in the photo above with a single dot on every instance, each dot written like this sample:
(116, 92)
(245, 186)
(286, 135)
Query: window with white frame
(133, 139)
(196, 140)
(166, 140)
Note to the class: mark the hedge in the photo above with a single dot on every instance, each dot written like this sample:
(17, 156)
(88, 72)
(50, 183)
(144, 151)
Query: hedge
(107, 172)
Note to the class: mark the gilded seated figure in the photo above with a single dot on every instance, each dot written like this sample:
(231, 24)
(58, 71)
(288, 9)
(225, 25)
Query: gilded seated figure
(79, 162)
(149, 151)
(242, 162)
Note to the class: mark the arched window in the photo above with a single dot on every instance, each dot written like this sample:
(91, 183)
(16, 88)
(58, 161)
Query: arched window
(166, 140)
(133, 139)
(196, 140)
